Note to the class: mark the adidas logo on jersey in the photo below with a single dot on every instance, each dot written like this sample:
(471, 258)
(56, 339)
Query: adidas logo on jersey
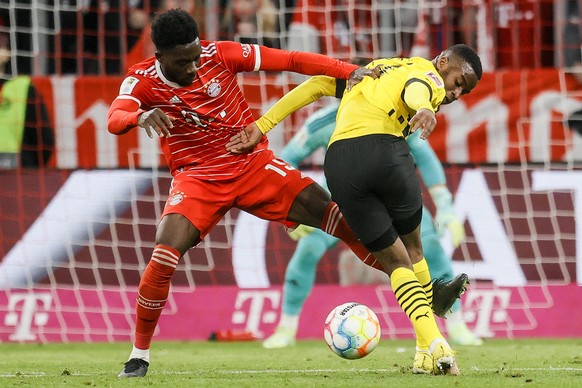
(175, 100)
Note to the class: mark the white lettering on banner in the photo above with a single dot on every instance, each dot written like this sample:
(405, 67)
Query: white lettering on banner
(248, 252)
(462, 121)
(492, 307)
(29, 314)
(473, 202)
(254, 316)
(565, 180)
(67, 123)
(543, 107)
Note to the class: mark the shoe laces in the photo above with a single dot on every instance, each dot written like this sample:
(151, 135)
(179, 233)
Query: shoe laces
(134, 364)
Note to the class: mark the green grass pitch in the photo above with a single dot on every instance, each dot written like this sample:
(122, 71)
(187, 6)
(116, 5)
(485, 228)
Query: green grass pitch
(498, 363)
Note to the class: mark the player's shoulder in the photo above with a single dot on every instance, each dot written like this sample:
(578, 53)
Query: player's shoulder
(142, 72)
(424, 68)
(143, 68)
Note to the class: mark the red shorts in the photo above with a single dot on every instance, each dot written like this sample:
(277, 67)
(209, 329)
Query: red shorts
(266, 189)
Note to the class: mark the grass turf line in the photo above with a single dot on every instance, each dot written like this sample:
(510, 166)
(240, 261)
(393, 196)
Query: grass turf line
(507, 363)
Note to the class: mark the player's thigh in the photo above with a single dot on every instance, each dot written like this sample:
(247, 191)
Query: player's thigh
(351, 174)
(397, 184)
(269, 189)
(200, 202)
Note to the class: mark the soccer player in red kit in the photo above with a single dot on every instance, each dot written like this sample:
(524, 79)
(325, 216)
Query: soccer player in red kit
(188, 96)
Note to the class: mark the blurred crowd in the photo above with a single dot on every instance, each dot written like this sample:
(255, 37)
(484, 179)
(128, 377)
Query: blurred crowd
(104, 37)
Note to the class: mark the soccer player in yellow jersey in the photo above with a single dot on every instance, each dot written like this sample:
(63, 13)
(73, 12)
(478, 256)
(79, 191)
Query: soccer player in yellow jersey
(371, 175)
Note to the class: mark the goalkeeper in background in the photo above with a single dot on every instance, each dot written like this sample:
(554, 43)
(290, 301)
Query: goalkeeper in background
(371, 175)
(313, 243)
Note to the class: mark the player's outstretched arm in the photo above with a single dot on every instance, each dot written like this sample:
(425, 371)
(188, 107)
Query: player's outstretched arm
(304, 94)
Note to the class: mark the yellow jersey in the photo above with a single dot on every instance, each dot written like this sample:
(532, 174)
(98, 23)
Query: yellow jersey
(386, 104)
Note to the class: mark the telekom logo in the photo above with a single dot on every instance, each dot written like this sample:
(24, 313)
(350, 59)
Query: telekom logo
(26, 310)
(258, 310)
(491, 309)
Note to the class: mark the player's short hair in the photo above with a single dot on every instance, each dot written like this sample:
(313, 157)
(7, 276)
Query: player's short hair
(173, 28)
(469, 55)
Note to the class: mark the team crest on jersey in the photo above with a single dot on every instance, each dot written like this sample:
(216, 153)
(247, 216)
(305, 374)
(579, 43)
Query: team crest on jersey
(246, 48)
(213, 87)
(127, 85)
(176, 198)
(436, 79)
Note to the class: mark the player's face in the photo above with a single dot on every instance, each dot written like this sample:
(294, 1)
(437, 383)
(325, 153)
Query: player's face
(180, 64)
(459, 78)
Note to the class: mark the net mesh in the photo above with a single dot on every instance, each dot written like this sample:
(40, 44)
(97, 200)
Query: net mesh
(61, 230)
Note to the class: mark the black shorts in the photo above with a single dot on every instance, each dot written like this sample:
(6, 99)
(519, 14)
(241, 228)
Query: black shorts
(373, 180)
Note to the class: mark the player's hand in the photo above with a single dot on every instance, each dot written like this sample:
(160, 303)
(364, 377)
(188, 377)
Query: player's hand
(245, 140)
(447, 219)
(358, 75)
(156, 121)
(425, 120)
(300, 231)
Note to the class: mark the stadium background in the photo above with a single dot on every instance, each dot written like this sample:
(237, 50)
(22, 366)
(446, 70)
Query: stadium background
(75, 236)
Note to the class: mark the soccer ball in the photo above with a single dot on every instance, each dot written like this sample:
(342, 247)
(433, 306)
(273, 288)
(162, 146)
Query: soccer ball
(352, 330)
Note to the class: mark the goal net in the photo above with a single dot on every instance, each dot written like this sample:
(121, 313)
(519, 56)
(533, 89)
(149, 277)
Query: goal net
(76, 235)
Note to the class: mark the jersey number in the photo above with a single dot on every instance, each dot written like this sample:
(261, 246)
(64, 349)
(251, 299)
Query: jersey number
(279, 170)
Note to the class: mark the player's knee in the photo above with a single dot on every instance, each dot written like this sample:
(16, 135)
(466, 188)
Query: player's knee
(409, 224)
(384, 241)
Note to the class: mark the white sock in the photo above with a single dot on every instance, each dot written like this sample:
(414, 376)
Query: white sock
(290, 322)
(140, 353)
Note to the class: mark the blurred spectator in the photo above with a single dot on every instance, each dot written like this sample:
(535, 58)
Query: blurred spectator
(26, 137)
(109, 28)
(337, 28)
(458, 21)
(572, 34)
(251, 21)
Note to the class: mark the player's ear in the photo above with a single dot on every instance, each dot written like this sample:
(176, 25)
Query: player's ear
(442, 61)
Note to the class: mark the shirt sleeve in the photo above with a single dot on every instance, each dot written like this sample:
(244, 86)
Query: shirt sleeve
(304, 94)
(418, 94)
(304, 63)
(123, 115)
(126, 108)
(239, 57)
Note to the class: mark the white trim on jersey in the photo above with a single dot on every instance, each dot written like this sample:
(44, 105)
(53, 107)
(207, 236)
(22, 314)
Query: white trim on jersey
(128, 97)
(257, 57)
(163, 77)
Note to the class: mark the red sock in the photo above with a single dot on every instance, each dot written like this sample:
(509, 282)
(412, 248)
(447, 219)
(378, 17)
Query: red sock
(335, 224)
(153, 291)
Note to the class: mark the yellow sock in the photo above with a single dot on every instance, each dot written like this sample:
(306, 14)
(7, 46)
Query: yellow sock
(412, 300)
(423, 275)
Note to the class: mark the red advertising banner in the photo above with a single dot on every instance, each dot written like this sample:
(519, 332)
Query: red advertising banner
(512, 116)
(86, 315)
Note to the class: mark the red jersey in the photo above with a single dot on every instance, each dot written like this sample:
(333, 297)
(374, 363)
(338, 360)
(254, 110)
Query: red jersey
(212, 109)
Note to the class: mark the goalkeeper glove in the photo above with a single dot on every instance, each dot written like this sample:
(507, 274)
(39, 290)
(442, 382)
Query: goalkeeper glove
(300, 231)
(445, 215)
